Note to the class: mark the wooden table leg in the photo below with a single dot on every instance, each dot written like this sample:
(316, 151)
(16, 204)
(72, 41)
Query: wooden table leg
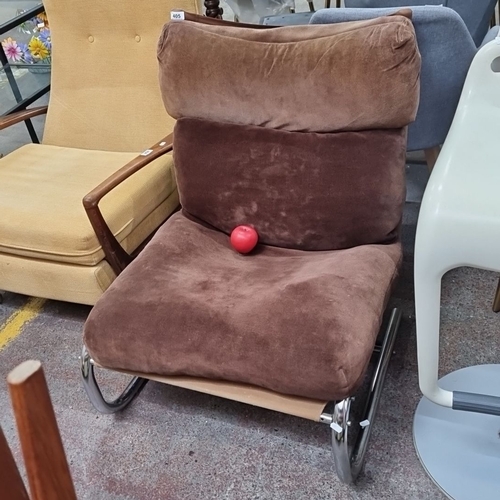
(11, 483)
(46, 465)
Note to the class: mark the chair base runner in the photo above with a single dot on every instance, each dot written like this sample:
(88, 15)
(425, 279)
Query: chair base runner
(348, 465)
(460, 450)
(132, 390)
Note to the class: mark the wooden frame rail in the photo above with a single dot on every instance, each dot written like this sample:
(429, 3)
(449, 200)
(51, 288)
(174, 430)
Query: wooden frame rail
(114, 253)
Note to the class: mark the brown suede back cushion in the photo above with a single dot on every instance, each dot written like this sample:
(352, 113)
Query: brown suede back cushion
(321, 78)
(300, 190)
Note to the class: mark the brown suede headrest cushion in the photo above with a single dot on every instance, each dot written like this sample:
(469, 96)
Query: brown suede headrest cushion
(297, 78)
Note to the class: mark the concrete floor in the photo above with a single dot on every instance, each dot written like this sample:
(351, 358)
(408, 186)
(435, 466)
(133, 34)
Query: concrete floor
(178, 445)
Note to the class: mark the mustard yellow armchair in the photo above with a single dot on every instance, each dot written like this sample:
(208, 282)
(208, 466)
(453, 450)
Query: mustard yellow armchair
(104, 115)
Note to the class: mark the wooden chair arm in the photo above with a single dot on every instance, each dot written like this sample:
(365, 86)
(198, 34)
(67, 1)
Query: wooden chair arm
(214, 21)
(116, 256)
(21, 116)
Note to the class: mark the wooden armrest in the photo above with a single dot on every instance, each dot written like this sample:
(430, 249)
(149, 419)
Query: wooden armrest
(21, 116)
(116, 256)
(188, 16)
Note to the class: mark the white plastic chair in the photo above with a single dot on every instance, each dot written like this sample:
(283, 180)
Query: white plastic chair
(459, 225)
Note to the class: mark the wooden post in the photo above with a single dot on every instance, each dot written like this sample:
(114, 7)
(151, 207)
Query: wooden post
(46, 465)
(431, 156)
(213, 9)
(11, 483)
(496, 301)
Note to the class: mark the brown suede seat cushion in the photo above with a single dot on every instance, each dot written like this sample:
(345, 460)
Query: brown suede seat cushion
(306, 191)
(316, 78)
(300, 323)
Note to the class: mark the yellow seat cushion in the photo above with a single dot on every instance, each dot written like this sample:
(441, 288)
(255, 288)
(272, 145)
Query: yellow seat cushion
(41, 192)
(55, 280)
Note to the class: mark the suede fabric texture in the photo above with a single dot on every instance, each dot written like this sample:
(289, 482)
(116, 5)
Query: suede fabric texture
(299, 190)
(300, 323)
(297, 78)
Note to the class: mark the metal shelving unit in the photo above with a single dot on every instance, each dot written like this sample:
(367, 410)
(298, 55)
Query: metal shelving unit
(22, 101)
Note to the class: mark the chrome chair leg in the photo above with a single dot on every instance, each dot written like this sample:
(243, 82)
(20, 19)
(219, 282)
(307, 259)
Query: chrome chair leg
(132, 390)
(349, 464)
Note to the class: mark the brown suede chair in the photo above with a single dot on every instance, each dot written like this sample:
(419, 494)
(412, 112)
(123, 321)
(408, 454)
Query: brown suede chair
(291, 326)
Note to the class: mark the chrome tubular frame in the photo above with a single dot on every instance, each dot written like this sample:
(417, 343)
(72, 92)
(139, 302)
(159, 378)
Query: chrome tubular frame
(132, 390)
(349, 464)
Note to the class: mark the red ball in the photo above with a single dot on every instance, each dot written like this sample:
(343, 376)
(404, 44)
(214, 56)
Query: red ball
(244, 239)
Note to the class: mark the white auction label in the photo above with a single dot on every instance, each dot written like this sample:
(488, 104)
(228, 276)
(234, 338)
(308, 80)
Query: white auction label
(177, 16)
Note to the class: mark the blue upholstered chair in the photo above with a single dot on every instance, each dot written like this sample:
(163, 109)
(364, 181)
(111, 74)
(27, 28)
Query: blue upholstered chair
(447, 46)
(475, 13)
(447, 50)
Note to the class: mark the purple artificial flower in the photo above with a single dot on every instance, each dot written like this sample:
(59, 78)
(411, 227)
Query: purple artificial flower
(27, 57)
(44, 36)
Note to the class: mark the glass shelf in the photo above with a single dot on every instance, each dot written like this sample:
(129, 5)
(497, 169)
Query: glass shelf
(9, 8)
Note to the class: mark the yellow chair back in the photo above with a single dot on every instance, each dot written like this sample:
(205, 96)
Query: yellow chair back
(104, 83)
